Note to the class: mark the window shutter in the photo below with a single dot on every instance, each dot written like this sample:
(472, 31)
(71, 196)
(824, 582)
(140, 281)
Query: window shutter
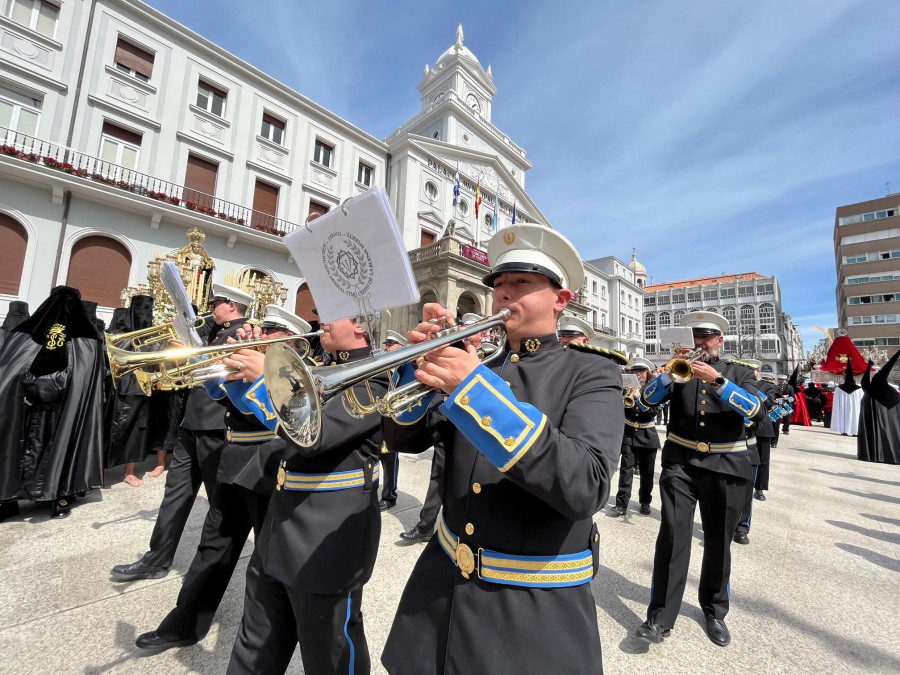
(139, 60)
(99, 268)
(13, 242)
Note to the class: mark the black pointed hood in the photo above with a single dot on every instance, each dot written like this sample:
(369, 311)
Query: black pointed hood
(17, 313)
(849, 384)
(141, 311)
(880, 390)
(867, 376)
(120, 321)
(793, 381)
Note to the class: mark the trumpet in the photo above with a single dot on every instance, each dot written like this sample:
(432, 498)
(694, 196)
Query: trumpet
(632, 386)
(299, 393)
(144, 337)
(679, 368)
(175, 368)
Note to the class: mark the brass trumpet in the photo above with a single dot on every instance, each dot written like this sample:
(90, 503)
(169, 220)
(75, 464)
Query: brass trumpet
(176, 368)
(679, 368)
(632, 386)
(298, 392)
(144, 337)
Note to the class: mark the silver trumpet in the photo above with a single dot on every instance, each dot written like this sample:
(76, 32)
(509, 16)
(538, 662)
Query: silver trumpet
(299, 392)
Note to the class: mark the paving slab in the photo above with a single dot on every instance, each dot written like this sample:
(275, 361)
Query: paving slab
(816, 591)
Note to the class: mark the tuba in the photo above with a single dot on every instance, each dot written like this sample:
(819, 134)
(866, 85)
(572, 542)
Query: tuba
(299, 392)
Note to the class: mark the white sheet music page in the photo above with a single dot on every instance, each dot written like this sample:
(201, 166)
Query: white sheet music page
(352, 252)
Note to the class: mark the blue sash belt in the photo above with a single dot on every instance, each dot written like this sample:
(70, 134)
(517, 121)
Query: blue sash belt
(533, 571)
(327, 482)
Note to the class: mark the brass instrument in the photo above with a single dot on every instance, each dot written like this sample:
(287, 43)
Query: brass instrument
(298, 392)
(183, 367)
(679, 368)
(632, 386)
(144, 337)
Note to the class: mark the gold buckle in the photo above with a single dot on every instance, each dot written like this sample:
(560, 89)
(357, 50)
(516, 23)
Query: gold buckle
(703, 447)
(281, 478)
(465, 560)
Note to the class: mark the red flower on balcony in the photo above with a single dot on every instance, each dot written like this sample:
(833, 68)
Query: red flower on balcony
(174, 200)
(10, 150)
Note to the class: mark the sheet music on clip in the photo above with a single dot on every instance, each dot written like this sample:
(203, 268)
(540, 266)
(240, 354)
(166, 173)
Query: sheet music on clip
(185, 318)
(353, 255)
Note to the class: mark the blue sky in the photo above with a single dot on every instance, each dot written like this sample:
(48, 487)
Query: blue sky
(713, 136)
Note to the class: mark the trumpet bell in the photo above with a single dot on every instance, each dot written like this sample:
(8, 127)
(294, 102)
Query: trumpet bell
(293, 390)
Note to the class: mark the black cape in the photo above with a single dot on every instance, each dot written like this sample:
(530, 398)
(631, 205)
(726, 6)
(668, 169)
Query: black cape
(17, 313)
(879, 418)
(51, 406)
(129, 414)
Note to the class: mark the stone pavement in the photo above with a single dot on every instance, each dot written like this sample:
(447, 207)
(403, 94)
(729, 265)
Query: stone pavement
(816, 591)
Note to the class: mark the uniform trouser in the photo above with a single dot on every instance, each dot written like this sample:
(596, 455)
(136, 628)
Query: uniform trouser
(195, 459)
(233, 512)
(786, 425)
(743, 526)
(390, 466)
(432, 506)
(645, 458)
(721, 498)
(776, 426)
(328, 628)
(763, 446)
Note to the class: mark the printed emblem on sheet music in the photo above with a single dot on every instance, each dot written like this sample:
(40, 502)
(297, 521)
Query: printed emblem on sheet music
(348, 264)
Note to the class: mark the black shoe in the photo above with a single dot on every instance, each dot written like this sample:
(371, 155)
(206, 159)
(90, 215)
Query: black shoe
(137, 570)
(415, 534)
(617, 510)
(651, 633)
(645, 509)
(152, 641)
(788, 433)
(717, 631)
(773, 445)
(60, 509)
(758, 494)
(8, 510)
(386, 504)
(741, 538)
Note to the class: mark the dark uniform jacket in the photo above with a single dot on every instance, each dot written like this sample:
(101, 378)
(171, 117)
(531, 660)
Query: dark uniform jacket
(326, 541)
(201, 412)
(699, 414)
(764, 427)
(783, 391)
(252, 450)
(547, 447)
(641, 437)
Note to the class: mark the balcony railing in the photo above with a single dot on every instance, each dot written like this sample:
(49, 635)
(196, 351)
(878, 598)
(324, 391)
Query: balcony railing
(606, 330)
(75, 163)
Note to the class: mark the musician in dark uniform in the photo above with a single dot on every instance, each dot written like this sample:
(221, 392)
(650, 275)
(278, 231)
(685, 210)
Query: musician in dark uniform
(765, 432)
(246, 480)
(318, 544)
(530, 441)
(197, 450)
(571, 328)
(782, 391)
(390, 461)
(705, 460)
(639, 445)
(753, 430)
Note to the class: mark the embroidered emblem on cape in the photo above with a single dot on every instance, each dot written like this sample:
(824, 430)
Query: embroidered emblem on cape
(348, 264)
(532, 345)
(56, 338)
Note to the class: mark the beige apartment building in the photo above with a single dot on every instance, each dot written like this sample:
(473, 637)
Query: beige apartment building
(867, 257)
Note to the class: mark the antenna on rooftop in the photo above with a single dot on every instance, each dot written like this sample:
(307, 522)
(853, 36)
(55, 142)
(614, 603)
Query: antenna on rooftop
(888, 184)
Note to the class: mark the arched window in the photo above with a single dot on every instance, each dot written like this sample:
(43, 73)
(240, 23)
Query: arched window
(677, 316)
(665, 319)
(767, 318)
(728, 313)
(304, 304)
(465, 305)
(650, 326)
(748, 320)
(99, 267)
(13, 241)
(427, 296)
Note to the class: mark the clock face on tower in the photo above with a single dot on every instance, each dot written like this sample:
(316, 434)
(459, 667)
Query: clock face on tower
(472, 102)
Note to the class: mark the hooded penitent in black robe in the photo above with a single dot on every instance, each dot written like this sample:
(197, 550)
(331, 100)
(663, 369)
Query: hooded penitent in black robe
(18, 312)
(51, 408)
(879, 418)
(129, 420)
